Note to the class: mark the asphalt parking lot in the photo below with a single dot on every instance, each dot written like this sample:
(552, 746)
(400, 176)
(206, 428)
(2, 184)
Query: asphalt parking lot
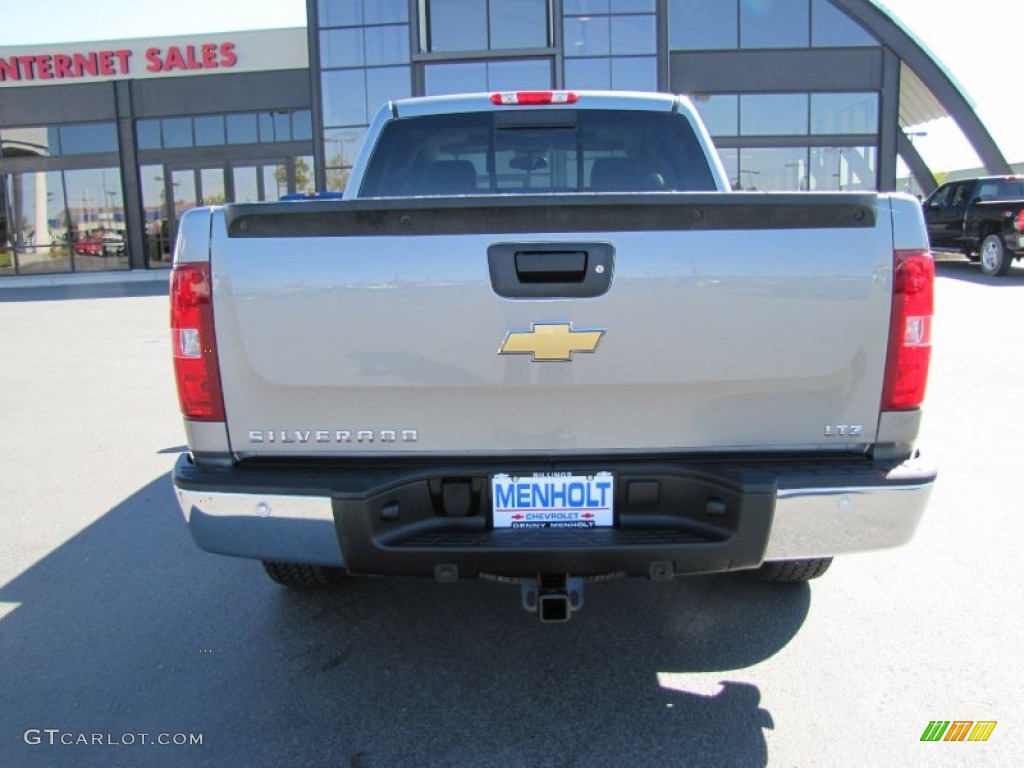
(113, 623)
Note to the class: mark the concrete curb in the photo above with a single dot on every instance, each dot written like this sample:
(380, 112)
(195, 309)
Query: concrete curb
(71, 280)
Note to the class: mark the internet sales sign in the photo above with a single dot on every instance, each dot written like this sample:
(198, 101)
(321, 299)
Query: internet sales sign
(91, 64)
(154, 57)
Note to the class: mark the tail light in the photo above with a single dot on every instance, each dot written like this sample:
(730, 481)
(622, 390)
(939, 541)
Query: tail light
(1019, 221)
(193, 343)
(534, 97)
(910, 331)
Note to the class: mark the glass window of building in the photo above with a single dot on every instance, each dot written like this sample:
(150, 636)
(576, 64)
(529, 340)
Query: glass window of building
(88, 138)
(610, 44)
(344, 97)
(633, 6)
(305, 180)
(775, 24)
(589, 74)
(302, 125)
(473, 25)
(342, 48)
(458, 77)
(177, 132)
(585, 7)
(518, 24)
(634, 73)
(844, 113)
(337, 13)
(387, 45)
(385, 84)
(341, 145)
(830, 27)
(778, 169)
(63, 221)
(731, 162)
(147, 134)
(701, 25)
(633, 34)
(476, 76)
(698, 25)
(776, 114)
(365, 62)
(210, 131)
(37, 141)
(457, 25)
(342, 13)
(55, 141)
(267, 127)
(242, 129)
(527, 74)
(218, 130)
(275, 181)
(385, 11)
(38, 234)
(843, 168)
(587, 36)
(364, 46)
(244, 183)
(720, 113)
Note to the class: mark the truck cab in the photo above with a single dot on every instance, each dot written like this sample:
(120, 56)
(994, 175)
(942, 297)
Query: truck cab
(983, 218)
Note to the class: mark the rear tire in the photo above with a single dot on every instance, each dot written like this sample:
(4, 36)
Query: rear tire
(297, 576)
(791, 571)
(994, 261)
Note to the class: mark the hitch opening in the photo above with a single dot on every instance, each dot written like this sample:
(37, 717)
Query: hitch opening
(553, 597)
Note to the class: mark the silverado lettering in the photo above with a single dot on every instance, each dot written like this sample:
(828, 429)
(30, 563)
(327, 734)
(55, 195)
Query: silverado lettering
(332, 436)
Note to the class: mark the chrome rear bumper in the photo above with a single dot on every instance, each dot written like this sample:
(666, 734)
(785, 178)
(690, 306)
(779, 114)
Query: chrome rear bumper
(832, 516)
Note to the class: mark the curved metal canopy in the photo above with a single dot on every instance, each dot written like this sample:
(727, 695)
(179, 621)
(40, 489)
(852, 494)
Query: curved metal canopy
(927, 90)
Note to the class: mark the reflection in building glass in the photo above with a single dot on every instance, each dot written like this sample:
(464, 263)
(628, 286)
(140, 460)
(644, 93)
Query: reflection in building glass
(774, 23)
(696, 25)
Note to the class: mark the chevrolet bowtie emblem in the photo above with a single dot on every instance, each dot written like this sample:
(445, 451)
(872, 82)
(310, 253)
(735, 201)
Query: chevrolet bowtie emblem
(551, 341)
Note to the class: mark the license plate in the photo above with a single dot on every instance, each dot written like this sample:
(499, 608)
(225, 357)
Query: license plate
(553, 500)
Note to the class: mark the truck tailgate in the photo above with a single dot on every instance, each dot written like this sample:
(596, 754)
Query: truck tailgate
(754, 323)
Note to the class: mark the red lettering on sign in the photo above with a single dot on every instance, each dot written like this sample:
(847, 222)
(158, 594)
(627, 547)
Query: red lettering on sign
(114, 63)
(62, 66)
(9, 69)
(86, 64)
(122, 58)
(174, 59)
(106, 63)
(28, 64)
(44, 66)
(227, 55)
(153, 57)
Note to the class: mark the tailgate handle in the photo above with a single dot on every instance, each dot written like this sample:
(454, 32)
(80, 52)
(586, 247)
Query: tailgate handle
(539, 270)
(551, 266)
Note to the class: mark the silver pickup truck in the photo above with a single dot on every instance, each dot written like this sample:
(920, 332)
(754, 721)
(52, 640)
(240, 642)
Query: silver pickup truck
(541, 341)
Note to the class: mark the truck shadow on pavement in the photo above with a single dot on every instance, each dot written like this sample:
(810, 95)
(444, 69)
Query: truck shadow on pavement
(128, 628)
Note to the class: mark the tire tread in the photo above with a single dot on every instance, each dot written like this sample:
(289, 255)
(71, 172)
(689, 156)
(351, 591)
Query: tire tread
(793, 571)
(299, 576)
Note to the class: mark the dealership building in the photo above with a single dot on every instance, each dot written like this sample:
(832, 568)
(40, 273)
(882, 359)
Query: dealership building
(103, 145)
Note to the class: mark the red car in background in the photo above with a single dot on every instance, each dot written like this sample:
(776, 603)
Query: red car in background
(100, 243)
(89, 245)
